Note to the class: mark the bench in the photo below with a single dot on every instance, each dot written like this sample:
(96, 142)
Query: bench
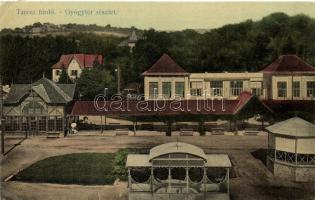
(217, 131)
(114, 123)
(123, 131)
(186, 132)
(53, 134)
(251, 131)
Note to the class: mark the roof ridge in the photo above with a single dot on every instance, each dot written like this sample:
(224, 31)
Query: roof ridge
(59, 90)
(45, 95)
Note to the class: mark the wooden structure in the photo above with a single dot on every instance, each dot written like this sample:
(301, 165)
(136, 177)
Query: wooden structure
(37, 107)
(178, 170)
(291, 150)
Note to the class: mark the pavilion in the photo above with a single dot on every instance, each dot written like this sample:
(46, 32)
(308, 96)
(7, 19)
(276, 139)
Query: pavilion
(178, 170)
(291, 150)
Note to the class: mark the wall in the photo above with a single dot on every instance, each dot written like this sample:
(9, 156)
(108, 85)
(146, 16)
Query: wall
(299, 174)
(288, 79)
(173, 80)
(285, 144)
(54, 76)
(249, 81)
(74, 65)
(306, 145)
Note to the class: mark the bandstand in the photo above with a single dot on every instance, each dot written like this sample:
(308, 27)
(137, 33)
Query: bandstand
(291, 150)
(178, 171)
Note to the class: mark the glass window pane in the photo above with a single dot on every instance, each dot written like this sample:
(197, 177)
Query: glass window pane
(153, 90)
(216, 88)
(282, 89)
(236, 87)
(167, 89)
(310, 88)
(179, 89)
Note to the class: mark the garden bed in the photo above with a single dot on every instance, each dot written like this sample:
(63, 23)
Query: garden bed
(79, 168)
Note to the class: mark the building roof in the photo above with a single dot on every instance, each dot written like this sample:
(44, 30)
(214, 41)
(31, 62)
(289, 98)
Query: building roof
(283, 106)
(294, 127)
(84, 60)
(138, 160)
(164, 66)
(176, 147)
(49, 91)
(133, 37)
(289, 64)
(144, 160)
(218, 160)
(195, 107)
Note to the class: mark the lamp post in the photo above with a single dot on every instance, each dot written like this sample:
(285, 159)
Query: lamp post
(105, 94)
(117, 70)
(2, 119)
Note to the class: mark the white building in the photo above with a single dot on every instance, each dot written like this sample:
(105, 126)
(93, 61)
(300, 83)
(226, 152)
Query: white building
(287, 78)
(74, 64)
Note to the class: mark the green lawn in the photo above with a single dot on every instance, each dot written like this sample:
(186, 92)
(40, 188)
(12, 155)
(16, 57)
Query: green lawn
(80, 168)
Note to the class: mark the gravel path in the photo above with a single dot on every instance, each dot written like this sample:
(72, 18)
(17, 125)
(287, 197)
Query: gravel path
(251, 178)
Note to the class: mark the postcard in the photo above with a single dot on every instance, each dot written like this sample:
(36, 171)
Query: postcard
(157, 100)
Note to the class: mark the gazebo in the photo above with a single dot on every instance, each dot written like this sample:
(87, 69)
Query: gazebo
(291, 150)
(178, 170)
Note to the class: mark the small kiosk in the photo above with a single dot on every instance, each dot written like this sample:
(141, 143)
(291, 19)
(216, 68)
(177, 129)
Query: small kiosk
(291, 150)
(178, 171)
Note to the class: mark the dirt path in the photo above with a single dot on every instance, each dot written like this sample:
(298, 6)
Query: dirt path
(252, 179)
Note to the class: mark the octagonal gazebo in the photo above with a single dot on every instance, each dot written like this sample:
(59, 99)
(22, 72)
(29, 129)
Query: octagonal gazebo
(175, 170)
(291, 150)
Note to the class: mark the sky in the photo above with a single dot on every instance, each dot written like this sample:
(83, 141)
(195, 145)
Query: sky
(145, 15)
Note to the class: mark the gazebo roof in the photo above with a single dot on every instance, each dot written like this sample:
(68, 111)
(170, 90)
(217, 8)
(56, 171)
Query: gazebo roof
(294, 127)
(176, 147)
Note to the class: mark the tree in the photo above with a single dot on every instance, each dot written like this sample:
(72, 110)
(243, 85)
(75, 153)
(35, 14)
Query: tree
(64, 78)
(93, 82)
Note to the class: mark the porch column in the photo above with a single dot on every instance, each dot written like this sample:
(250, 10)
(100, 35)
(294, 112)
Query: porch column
(296, 151)
(228, 180)
(187, 180)
(169, 177)
(205, 182)
(129, 180)
(151, 180)
(134, 126)
(101, 124)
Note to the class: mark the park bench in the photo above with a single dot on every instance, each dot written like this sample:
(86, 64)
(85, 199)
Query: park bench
(53, 134)
(114, 123)
(123, 131)
(217, 131)
(186, 132)
(251, 131)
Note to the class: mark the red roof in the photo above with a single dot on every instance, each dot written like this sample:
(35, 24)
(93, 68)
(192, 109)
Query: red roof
(84, 60)
(165, 65)
(194, 107)
(282, 106)
(289, 63)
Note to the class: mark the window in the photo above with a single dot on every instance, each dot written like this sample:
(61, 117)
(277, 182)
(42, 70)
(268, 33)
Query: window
(310, 85)
(296, 89)
(256, 87)
(74, 73)
(282, 89)
(57, 72)
(216, 88)
(256, 91)
(153, 90)
(33, 108)
(167, 89)
(236, 87)
(179, 89)
(196, 88)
